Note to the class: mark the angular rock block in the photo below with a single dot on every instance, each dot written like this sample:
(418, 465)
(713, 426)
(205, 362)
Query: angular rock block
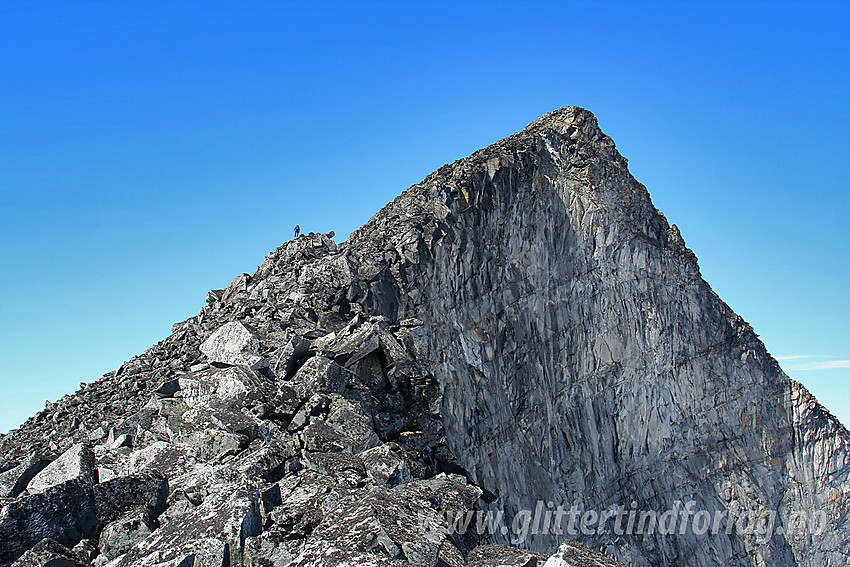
(234, 344)
(293, 349)
(65, 513)
(75, 510)
(385, 466)
(574, 554)
(504, 556)
(118, 537)
(76, 462)
(15, 480)
(48, 553)
(213, 532)
(148, 492)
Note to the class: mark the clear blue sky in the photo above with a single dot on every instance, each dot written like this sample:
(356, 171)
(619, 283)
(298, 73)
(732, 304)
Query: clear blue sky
(152, 151)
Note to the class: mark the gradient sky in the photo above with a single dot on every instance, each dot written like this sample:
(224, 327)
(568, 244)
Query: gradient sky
(150, 152)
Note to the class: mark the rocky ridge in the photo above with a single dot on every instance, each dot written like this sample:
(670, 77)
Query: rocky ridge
(523, 326)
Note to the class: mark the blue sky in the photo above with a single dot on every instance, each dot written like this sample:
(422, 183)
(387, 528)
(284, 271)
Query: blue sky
(150, 152)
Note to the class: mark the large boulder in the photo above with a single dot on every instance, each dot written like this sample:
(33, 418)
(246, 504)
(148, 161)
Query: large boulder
(407, 522)
(66, 513)
(215, 530)
(385, 466)
(346, 469)
(232, 386)
(48, 553)
(148, 492)
(234, 344)
(76, 462)
(15, 480)
(75, 510)
(269, 549)
(169, 459)
(118, 537)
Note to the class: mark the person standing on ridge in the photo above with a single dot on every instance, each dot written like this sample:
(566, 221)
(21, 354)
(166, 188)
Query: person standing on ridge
(297, 230)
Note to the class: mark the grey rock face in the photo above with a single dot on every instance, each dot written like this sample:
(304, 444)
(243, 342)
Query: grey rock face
(15, 480)
(521, 332)
(65, 513)
(232, 343)
(572, 336)
(76, 462)
(48, 553)
(120, 536)
(75, 510)
(146, 492)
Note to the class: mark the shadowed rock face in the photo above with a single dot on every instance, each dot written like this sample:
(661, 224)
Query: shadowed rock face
(521, 328)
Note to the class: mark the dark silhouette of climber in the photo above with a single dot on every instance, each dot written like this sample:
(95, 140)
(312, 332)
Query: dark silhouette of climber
(297, 230)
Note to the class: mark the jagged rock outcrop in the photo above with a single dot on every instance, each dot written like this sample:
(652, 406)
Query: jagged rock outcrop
(514, 347)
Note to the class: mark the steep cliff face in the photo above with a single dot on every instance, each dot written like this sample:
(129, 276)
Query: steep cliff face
(520, 332)
(583, 359)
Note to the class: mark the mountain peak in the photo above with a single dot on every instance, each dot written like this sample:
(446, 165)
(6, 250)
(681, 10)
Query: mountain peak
(522, 335)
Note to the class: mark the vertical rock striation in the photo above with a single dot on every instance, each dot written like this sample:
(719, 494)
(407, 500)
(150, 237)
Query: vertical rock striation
(521, 331)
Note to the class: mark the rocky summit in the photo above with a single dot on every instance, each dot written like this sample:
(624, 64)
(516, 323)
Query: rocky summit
(514, 363)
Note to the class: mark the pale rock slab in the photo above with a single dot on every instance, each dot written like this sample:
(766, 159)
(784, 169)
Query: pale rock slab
(76, 462)
(234, 344)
